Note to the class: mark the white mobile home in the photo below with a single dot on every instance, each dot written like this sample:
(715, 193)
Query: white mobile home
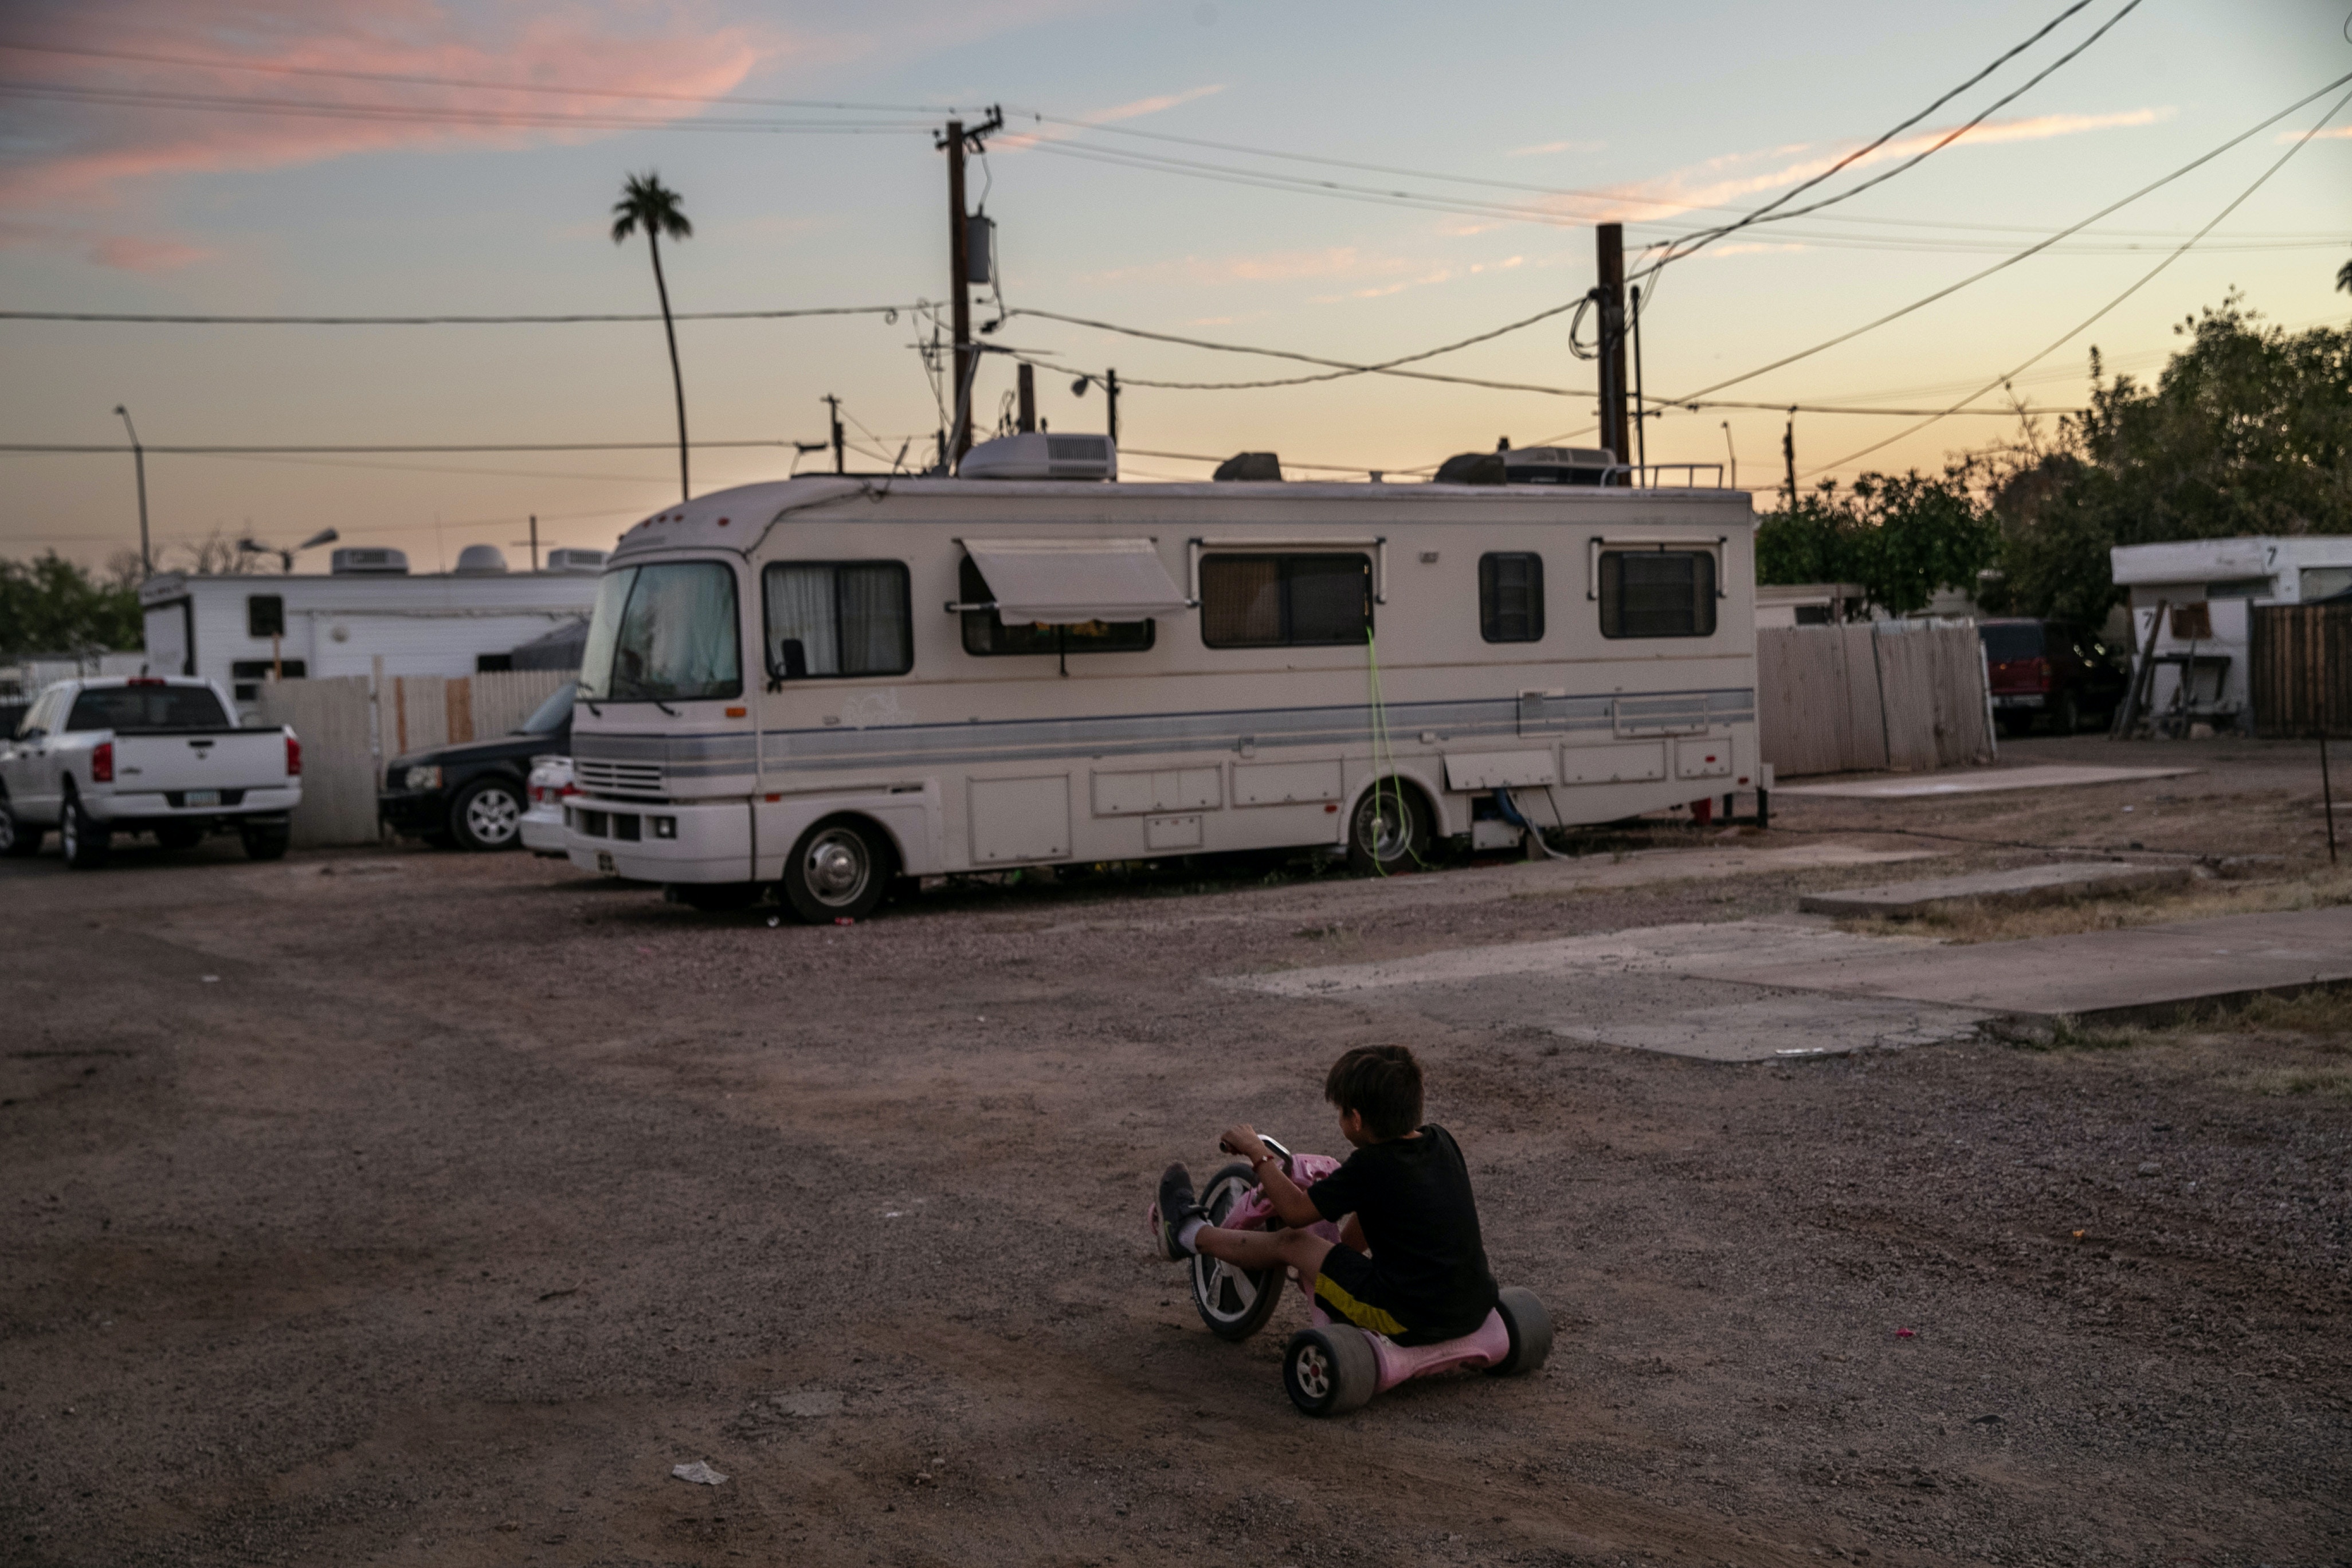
(825, 681)
(340, 622)
(2208, 586)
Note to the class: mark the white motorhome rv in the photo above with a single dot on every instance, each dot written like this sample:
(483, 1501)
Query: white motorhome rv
(824, 682)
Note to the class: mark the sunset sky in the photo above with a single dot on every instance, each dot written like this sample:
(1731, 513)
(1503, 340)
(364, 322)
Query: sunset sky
(327, 158)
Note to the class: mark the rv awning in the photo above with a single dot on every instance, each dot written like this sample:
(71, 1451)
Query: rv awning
(1067, 581)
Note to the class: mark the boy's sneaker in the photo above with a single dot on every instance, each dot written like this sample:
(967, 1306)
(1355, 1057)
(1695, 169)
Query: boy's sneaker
(1176, 1208)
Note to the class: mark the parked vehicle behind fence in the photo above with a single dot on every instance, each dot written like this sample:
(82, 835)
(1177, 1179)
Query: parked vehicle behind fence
(92, 758)
(2049, 670)
(473, 794)
(819, 685)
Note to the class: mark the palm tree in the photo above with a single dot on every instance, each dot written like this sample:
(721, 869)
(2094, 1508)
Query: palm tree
(646, 202)
(2344, 278)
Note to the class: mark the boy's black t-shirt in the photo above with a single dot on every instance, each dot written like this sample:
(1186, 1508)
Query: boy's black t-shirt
(1412, 1197)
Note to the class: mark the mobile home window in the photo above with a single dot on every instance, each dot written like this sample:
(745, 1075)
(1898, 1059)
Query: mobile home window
(265, 615)
(1510, 597)
(1657, 592)
(835, 619)
(986, 633)
(1286, 601)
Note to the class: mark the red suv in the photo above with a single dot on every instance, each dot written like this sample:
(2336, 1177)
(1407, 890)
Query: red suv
(2050, 669)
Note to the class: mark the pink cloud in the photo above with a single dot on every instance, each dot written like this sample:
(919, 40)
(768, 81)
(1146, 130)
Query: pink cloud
(1015, 142)
(97, 161)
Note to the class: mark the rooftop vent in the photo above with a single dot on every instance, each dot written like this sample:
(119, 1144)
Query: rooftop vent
(1471, 469)
(571, 560)
(481, 560)
(1559, 465)
(363, 562)
(1038, 456)
(1250, 468)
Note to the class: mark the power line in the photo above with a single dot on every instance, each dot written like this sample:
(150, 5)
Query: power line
(123, 97)
(2030, 250)
(2145, 279)
(1765, 213)
(272, 67)
(120, 448)
(888, 313)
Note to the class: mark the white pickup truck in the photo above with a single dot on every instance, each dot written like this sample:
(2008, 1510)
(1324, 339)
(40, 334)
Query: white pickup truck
(144, 755)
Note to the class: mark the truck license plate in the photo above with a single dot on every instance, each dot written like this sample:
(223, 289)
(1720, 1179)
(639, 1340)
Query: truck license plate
(605, 863)
(204, 797)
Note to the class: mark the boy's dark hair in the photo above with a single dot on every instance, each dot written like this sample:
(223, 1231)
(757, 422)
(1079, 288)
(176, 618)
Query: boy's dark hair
(1380, 1083)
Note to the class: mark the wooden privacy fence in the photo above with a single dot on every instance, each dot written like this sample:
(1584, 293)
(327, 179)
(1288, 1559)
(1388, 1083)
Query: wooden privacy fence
(422, 710)
(330, 718)
(347, 734)
(1890, 694)
(2301, 679)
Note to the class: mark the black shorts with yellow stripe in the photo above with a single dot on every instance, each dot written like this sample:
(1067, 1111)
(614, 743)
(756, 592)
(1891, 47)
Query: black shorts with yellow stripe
(1351, 1292)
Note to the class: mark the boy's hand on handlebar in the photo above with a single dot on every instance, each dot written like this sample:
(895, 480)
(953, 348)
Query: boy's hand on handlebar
(1241, 1139)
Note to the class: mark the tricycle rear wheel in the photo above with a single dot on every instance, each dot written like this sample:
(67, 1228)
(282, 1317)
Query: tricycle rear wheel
(1331, 1370)
(1234, 1302)
(1530, 1329)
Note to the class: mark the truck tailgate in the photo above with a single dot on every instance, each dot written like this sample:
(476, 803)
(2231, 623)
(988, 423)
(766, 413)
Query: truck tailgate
(198, 760)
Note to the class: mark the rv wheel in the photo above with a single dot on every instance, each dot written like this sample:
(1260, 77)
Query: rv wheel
(1389, 830)
(839, 871)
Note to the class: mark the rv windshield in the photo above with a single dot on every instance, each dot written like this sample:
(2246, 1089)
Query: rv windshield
(665, 632)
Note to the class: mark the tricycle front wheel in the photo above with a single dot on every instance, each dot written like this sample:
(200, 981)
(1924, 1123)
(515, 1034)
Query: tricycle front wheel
(1234, 1302)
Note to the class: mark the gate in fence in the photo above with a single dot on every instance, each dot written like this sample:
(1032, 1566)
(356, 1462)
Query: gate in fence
(2301, 669)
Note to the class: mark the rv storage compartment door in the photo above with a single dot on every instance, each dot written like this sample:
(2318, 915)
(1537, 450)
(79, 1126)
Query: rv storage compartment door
(1069, 582)
(1508, 770)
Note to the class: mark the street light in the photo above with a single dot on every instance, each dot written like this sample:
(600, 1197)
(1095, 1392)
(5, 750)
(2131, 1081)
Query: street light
(139, 462)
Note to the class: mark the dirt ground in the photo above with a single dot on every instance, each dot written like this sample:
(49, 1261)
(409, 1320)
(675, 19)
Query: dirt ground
(408, 1207)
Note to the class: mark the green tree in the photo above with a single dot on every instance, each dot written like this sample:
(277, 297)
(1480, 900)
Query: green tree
(1901, 536)
(2247, 430)
(50, 604)
(646, 203)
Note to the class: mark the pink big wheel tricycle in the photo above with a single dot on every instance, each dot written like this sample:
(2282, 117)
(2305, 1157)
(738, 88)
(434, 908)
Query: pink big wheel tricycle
(1331, 1366)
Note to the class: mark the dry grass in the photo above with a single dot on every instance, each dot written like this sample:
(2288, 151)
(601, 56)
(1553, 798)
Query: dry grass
(1973, 920)
(2326, 1082)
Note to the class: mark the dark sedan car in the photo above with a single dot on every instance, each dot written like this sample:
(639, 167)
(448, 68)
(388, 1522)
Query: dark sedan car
(2049, 670)
(473, 796)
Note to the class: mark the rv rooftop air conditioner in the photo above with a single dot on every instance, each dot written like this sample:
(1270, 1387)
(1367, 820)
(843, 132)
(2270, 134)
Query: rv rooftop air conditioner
(571, 560)
(365, 562)
(1250, 468)
(1558, 466)
(481, 560)
(1038, 456)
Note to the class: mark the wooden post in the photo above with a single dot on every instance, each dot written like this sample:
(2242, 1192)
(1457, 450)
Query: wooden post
(959, 298)
(1608, 239)
(2326, 791)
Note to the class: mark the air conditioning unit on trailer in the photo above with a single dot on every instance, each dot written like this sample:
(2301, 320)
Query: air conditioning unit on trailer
(568, 559)
(368, 563)
(1040, 456)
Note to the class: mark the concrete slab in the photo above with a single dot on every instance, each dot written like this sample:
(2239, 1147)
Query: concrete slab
(2025, 885)
(1646, 989)
(2138, 974)
(1978, 781)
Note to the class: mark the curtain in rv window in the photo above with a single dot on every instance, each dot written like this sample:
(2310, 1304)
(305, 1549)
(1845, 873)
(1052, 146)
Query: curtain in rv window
(1510, 597)
(835, 619)
(1276, 601)
(1657, 593)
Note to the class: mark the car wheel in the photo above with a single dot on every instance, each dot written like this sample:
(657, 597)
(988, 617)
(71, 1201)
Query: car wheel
(179, 836)
(2070, 715)
(1389, 830)
(84, 843)
(267, 843)
(18, 838)
(487, 815)
(839, 871)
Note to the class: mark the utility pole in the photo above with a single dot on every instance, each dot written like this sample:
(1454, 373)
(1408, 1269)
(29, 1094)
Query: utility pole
(1610, 242)
(1110, 393)
(139, 462)
(953, 141)
(1640, 417)
(1028, 381)
(1788, 451)
(840, 465)
(534, 542)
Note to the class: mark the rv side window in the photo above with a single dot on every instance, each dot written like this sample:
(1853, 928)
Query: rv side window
(1510, 597)
(1278, 601)
(830, 619)
(986, 633)
(1657, 593)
